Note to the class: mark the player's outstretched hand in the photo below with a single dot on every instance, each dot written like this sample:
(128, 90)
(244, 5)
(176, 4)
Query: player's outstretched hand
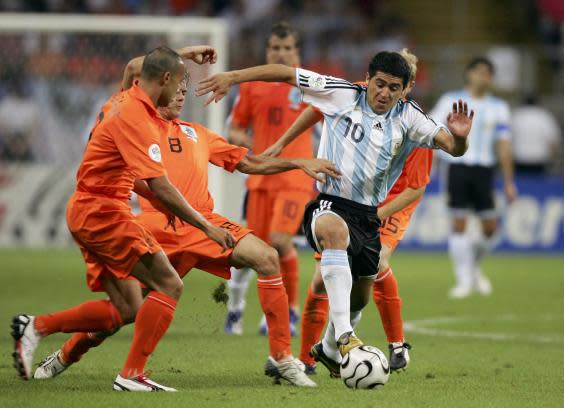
(218, 85)
(317, 168)
(459, 121)
(200, 54)
(221, 236)
(272, 151)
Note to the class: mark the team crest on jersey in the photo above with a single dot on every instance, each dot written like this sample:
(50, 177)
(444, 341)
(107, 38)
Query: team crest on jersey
(155, 152)
(316, 82)
(190, 132)
(295, 98)
(396, 147)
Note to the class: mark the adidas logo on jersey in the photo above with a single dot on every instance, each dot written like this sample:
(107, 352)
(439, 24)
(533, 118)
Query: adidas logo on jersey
(378, 126)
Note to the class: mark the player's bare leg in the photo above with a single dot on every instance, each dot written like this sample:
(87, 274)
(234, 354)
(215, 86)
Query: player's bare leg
(252, 252)
(126, 296)
(288, 255)
(462, 256)
(332, 234)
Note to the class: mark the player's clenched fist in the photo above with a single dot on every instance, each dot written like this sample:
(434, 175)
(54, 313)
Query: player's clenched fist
(221, 236)
(316, 167)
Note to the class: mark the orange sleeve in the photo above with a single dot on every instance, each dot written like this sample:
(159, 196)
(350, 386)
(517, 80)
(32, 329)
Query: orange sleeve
(137, 140)
(224, 154)
(242, 109)
(418, 167)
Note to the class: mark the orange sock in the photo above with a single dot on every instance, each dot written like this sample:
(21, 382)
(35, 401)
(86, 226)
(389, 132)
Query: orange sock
(289, 272)
(92, 316)
(152, 322)
(386, 296)
(314, 317)
(274, 304)
(79, 343)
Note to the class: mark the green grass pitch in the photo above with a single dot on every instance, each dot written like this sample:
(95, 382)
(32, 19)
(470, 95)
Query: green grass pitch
(502, 351)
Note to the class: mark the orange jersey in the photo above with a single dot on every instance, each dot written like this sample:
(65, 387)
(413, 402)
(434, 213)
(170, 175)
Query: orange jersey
(270, 108)
(186, 149)
(123, 146)
(415, 174)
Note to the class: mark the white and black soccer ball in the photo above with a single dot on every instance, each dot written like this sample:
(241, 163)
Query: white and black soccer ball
(365, 367)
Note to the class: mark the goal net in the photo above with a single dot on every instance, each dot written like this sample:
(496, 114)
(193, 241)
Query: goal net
(55, 73)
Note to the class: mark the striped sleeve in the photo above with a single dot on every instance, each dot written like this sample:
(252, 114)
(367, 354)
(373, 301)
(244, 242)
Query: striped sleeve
(502, 127)
(420, 127)
(325, 93)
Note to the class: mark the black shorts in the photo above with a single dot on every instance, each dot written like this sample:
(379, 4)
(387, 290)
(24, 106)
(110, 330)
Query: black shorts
(364, 231)
(470, 187)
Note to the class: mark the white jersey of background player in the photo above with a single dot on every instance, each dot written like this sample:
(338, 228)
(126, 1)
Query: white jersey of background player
(470, 178)
(368, 133)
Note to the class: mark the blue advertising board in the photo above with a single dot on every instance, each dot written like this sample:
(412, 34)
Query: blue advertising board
(533, 223)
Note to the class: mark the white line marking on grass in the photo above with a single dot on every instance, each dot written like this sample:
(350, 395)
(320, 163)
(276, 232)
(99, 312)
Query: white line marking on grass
(419, 327)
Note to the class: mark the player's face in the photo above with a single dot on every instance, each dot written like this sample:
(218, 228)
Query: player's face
(174, 108)
(384, 91)
(282, 51)
(480, 77)
(171, 81)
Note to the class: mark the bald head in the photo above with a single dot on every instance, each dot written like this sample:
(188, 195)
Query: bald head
(159, 61)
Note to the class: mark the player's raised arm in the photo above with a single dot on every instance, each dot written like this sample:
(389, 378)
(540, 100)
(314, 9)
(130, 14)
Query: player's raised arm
(308, 118)
(200, 54)
(219, 84)
(273, 165)
(459, 123)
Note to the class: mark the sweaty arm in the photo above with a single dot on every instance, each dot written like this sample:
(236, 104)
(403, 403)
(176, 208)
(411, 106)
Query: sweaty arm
(273, 165)
(402, 200)
(307, 119)
(200, 54)
(169, 196)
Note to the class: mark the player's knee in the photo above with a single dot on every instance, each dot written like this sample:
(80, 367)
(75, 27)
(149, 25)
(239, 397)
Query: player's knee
(282, 243)
(459, 226)
(332, 232)
(490, 229)
(128, 311)
(267, 263)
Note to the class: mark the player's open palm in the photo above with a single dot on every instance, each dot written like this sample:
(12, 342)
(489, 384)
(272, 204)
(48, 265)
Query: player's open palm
(221, 236)
(218, 85)
(459, 121)
(317, 168)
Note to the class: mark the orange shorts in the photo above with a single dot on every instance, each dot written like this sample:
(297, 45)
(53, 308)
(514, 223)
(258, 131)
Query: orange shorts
(392, 229)
(276, 211)
(188, 247)
(110, 238)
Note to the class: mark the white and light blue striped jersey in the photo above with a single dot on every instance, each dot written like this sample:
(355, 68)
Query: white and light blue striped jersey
(490, 124)
(369, 149)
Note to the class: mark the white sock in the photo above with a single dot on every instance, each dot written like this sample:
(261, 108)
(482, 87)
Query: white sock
(238, 285)
(336, 273)
(483, 246)
(355, 318)
(462, 255)
(329, 342)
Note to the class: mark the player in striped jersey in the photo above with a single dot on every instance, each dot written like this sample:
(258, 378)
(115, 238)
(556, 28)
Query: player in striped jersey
(470, 178)
(368, 133)
(395, 213)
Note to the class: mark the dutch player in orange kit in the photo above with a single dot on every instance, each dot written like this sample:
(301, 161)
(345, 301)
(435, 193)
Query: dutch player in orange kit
(395, 213)
(123, 147)
(187, 149)
(275, 204)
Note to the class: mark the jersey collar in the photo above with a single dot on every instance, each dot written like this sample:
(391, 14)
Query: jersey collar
(142, 96)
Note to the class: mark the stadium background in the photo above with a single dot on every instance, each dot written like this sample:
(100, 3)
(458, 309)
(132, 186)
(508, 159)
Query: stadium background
(504, 350)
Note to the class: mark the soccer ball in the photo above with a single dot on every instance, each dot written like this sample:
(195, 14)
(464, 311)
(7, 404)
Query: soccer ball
(365, 367)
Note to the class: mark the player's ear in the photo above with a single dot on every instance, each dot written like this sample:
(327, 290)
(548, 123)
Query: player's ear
(367, 76)
(165, 79)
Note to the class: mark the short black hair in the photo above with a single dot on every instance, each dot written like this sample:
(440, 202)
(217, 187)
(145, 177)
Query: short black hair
(158, 61)
(283, 29)
(390, 63)
(474, 62)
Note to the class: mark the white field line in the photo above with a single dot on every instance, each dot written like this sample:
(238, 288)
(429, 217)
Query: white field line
(421, 327)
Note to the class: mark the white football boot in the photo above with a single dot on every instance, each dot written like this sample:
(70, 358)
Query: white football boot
(141, 383)
(460, 291)
(291, 371)
(50, 367)
(26, 341)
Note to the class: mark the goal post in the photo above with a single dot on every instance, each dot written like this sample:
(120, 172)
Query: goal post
(55, 72)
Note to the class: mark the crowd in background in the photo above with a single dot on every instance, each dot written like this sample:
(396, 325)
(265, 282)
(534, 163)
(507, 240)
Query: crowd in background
(51, 85)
